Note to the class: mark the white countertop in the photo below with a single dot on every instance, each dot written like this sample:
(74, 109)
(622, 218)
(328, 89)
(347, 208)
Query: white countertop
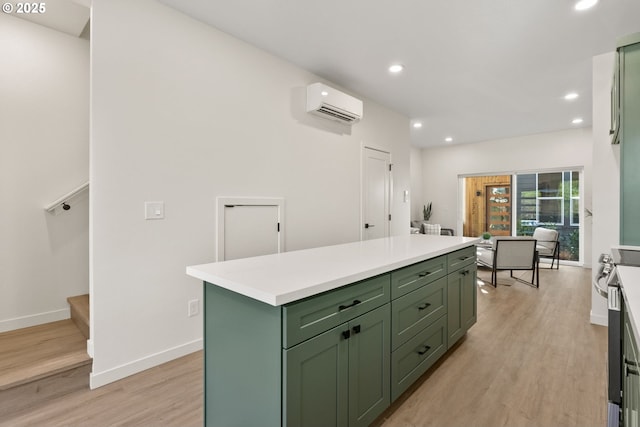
(290, 276)
(630, 284)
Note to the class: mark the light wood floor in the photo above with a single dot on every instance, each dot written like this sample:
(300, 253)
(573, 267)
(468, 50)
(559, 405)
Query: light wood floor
(533, 359)
(39, 351)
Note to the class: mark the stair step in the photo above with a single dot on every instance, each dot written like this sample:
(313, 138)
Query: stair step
(38, 352)
(79, 306)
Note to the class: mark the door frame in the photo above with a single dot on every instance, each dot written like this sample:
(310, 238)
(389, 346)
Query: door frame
(222, 201)
(363, 152)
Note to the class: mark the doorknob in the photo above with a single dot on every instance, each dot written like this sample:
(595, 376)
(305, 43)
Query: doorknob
(367, 225)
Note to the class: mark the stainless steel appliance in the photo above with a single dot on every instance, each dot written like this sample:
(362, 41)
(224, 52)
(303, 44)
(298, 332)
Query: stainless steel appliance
(607, 284)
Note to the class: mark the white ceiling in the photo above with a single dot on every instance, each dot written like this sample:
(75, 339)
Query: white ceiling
(68, 16)
(475, 69)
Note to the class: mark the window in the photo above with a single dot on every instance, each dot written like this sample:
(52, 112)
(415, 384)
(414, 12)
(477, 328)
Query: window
(574, 213)
(551, 200)
(550, 191)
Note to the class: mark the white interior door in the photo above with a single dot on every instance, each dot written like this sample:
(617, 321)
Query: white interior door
(248, 228)
(376, 190)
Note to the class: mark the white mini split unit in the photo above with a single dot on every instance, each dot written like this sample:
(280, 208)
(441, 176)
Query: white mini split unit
(330, 103)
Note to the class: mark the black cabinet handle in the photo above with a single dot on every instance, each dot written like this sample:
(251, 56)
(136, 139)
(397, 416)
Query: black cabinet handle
(464, 273)
(346, 334)
(628, 371)
(466, 258)
(424, 274)
(354, 303)
(423, 306)
(424, 349)
(356, 329)
(630, 362)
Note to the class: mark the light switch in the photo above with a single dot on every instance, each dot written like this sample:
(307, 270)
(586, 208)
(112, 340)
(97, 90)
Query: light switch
(153, 210)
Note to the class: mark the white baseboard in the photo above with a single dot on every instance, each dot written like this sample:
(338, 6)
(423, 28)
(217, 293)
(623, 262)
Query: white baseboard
(98, 379)
(34, 319)
(90, 348)
(599, 319)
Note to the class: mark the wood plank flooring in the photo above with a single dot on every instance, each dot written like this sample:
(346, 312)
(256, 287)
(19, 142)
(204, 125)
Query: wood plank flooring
(39, 351)
(533, 359)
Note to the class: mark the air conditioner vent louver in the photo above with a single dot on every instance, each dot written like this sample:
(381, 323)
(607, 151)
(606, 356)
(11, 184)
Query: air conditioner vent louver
(337, 114)
(330, 103)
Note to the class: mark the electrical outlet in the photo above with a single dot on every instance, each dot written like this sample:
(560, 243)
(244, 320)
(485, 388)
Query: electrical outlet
(193, 308)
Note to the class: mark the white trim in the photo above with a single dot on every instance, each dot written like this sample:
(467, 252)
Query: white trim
(34, 319)
(246, 201)
(598, 319)
(119, 372)
(90, 348)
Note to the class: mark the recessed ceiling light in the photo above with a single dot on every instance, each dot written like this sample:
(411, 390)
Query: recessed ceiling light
(417, 125)
(585, 4)
(571, 96)
(577, 121)
(448, 139)
(324, 93)
(396, 68)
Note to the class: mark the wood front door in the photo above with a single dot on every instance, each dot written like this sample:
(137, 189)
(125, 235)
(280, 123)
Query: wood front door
(498, 213)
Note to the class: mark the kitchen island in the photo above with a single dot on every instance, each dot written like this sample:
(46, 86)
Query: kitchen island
(331, 336)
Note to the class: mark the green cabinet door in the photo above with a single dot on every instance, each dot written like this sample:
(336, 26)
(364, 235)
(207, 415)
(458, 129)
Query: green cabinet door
(630, 377)
(340, 377)
(461, 302)
(369, 366)
(316, 379)
(469, 297)
(630, 144)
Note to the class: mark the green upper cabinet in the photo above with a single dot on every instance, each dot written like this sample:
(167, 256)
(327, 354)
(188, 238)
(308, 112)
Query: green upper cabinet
(629, 116)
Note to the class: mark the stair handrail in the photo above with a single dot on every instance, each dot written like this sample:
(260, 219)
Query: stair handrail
(62, 200)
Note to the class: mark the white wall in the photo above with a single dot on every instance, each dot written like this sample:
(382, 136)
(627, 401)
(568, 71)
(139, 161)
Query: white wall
(44, 153)
(606, 176)
(441, 167)
(183, 113)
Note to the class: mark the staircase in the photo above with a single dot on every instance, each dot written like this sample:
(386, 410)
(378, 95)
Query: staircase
(45, 361)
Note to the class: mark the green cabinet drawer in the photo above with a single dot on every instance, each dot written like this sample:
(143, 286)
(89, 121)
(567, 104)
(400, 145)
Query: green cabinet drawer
(311, 316)
(461, 258)
(416, 310)
(407, 279)
(417, 355)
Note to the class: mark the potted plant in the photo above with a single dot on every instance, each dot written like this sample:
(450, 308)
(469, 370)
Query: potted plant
(426, 211)
(486, 236)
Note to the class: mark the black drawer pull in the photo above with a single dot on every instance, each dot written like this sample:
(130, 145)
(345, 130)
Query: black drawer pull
(424, 350)
(628, 371)
(356, 329)
(630, 362)
(346, 334)
(423, 306)
(466, 258)
(354, 303)
(424, 274)
(464, 273)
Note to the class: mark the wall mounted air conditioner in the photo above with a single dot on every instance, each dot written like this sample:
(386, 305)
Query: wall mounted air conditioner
(330, 103)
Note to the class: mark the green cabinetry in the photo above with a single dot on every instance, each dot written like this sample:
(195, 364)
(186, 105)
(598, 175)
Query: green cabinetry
(628, 82)
(340, 377)
(461, 294)
(630, 376)
(338, 358)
